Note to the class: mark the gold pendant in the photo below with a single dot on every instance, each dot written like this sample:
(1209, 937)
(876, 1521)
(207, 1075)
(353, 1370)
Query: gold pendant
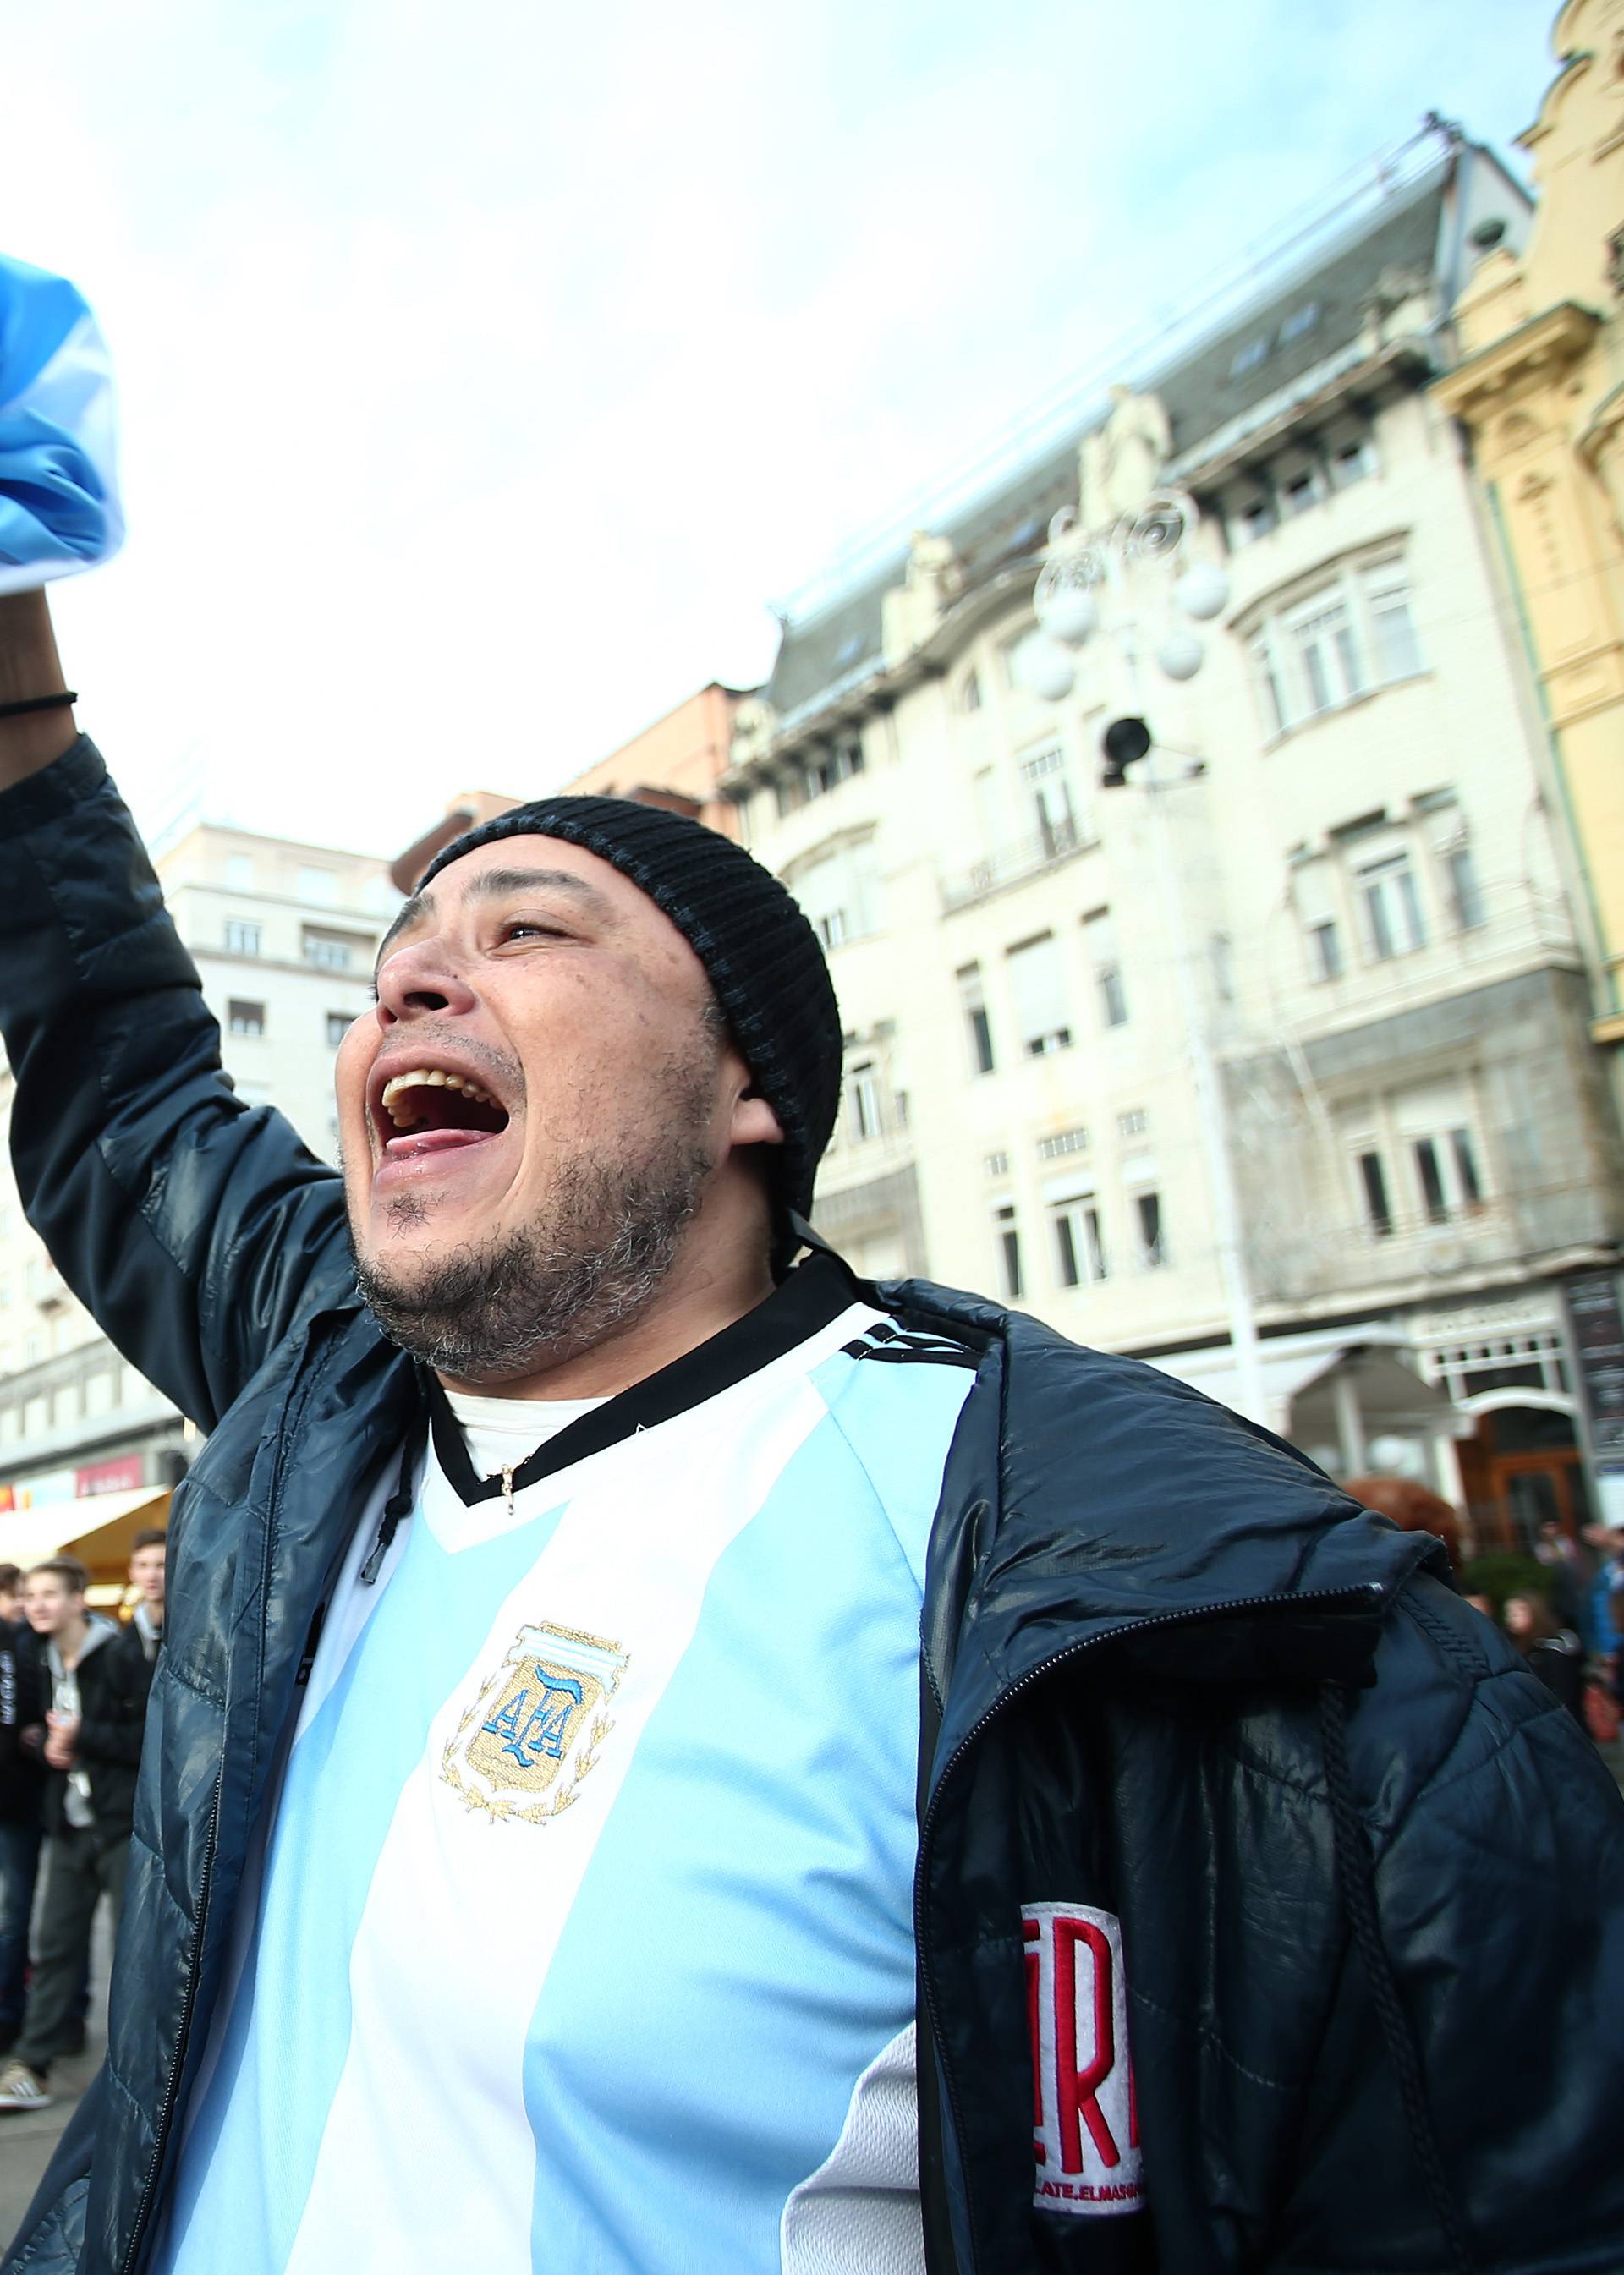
(507, 1484)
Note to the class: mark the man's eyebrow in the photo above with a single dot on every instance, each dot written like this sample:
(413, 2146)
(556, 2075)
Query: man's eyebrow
(494, 885)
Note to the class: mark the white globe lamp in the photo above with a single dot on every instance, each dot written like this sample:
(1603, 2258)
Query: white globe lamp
(1179, 654)
(1069, 613)
(1203, 591)
(1048, 670)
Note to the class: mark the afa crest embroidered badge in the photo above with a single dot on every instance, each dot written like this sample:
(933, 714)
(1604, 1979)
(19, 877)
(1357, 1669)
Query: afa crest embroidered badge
(533, 1734)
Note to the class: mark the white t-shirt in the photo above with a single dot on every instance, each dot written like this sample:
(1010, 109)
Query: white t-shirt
(583, 1934)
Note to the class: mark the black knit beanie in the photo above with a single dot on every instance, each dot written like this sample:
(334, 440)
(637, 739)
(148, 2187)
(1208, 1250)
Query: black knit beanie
(762, 957)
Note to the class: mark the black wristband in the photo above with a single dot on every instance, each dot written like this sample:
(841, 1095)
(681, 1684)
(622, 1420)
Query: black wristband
(32, 703)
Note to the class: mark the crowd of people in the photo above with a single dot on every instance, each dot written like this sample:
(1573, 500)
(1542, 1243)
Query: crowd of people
(73, 1688)
(1569, 1629)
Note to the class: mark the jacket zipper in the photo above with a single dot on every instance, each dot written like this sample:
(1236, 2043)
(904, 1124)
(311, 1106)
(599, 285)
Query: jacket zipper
(1365, 1590)
(171, 2086)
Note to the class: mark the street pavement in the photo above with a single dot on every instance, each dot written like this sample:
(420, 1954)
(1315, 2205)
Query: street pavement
(26, 2142)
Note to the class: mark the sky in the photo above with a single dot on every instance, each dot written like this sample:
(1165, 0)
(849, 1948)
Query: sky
(485, 373)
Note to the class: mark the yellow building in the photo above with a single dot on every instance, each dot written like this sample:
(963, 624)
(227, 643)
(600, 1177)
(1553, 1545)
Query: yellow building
(1539, 386)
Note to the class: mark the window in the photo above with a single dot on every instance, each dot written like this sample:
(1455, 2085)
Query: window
(241, 939)
(239, 873)
(863, 1101)
(1465, 893)
(970, 691)
(101, 1389)
(1049, 797)
(1373, 1187)
(1152, 1247)
(1323, 636)
(1352, 462)
(1392, 906)
(1299, 493)
(319, 886)
(1435, 1124)
(1325, 948)
(1314, 893)
(339, 1025)
(245, 1018)
(1220, 958)
(1134, 1123)
(1007, 1234)
(1393, 632)
(1266, 673)
(1100, 934)
(1060, 1143)
(1253, 519)
(1037, 985)
(839, 893)
(833, 766)
(1248, 357)
(973, 998)
(1079, 1244)
(332, 950)
(995, 1165)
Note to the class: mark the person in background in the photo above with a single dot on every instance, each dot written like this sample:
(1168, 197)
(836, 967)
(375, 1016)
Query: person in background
(1567, 1569)
(1603, 1609)
(22, 1778)
(146, 1560)
(1552, 1651)
(98, 1684)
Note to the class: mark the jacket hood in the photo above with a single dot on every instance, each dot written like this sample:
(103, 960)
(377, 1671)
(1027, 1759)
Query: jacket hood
(97, 1632)
(1122, 1498)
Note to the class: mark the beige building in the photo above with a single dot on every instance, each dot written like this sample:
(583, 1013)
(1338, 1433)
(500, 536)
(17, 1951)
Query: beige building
(1377, 949)
(677, 762)
(1539, 386)
(284, 936)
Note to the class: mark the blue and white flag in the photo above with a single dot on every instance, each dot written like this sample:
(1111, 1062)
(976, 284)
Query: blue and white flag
(59, 508)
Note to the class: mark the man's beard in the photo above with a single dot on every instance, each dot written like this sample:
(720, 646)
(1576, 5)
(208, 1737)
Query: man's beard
(589, 1261)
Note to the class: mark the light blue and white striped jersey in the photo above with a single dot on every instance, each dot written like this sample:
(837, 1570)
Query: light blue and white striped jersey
(584, 1932)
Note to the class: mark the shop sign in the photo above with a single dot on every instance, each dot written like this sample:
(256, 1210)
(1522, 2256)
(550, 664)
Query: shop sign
(1598, 1350)
(120, 1476)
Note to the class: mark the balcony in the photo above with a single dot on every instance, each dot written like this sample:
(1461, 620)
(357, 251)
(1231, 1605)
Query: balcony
(1521, 927)
(1013, 864)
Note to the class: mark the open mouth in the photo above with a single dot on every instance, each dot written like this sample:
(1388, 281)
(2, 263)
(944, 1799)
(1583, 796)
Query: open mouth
(425, 1109)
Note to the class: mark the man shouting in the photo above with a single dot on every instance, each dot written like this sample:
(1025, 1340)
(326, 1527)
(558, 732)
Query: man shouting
(665, 1757)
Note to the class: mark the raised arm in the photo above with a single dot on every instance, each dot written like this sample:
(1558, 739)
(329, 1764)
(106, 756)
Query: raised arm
(193, 1228)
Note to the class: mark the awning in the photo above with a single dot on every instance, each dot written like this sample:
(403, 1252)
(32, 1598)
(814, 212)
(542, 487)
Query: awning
(1321, 1385)
(98, 1529)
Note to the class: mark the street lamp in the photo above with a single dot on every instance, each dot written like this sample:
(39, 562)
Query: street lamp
(1079, 569)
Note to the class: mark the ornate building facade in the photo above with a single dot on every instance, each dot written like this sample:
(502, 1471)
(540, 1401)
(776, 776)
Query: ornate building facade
(1359, 911)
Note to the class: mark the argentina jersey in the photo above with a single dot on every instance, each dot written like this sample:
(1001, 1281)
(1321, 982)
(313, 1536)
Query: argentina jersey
(582, 1933)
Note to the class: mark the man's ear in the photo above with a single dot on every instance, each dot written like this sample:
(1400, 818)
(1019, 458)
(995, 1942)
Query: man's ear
(754, 1122)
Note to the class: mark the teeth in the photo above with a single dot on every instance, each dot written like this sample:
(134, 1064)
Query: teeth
(429, 1077)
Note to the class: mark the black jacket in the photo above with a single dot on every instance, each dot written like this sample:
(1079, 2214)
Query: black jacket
(22, 1707)
(1369, 1875)
(113, 1680)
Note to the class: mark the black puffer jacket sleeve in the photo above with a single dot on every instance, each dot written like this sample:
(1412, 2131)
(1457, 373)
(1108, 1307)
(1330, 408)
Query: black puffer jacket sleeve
(194, 1228)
